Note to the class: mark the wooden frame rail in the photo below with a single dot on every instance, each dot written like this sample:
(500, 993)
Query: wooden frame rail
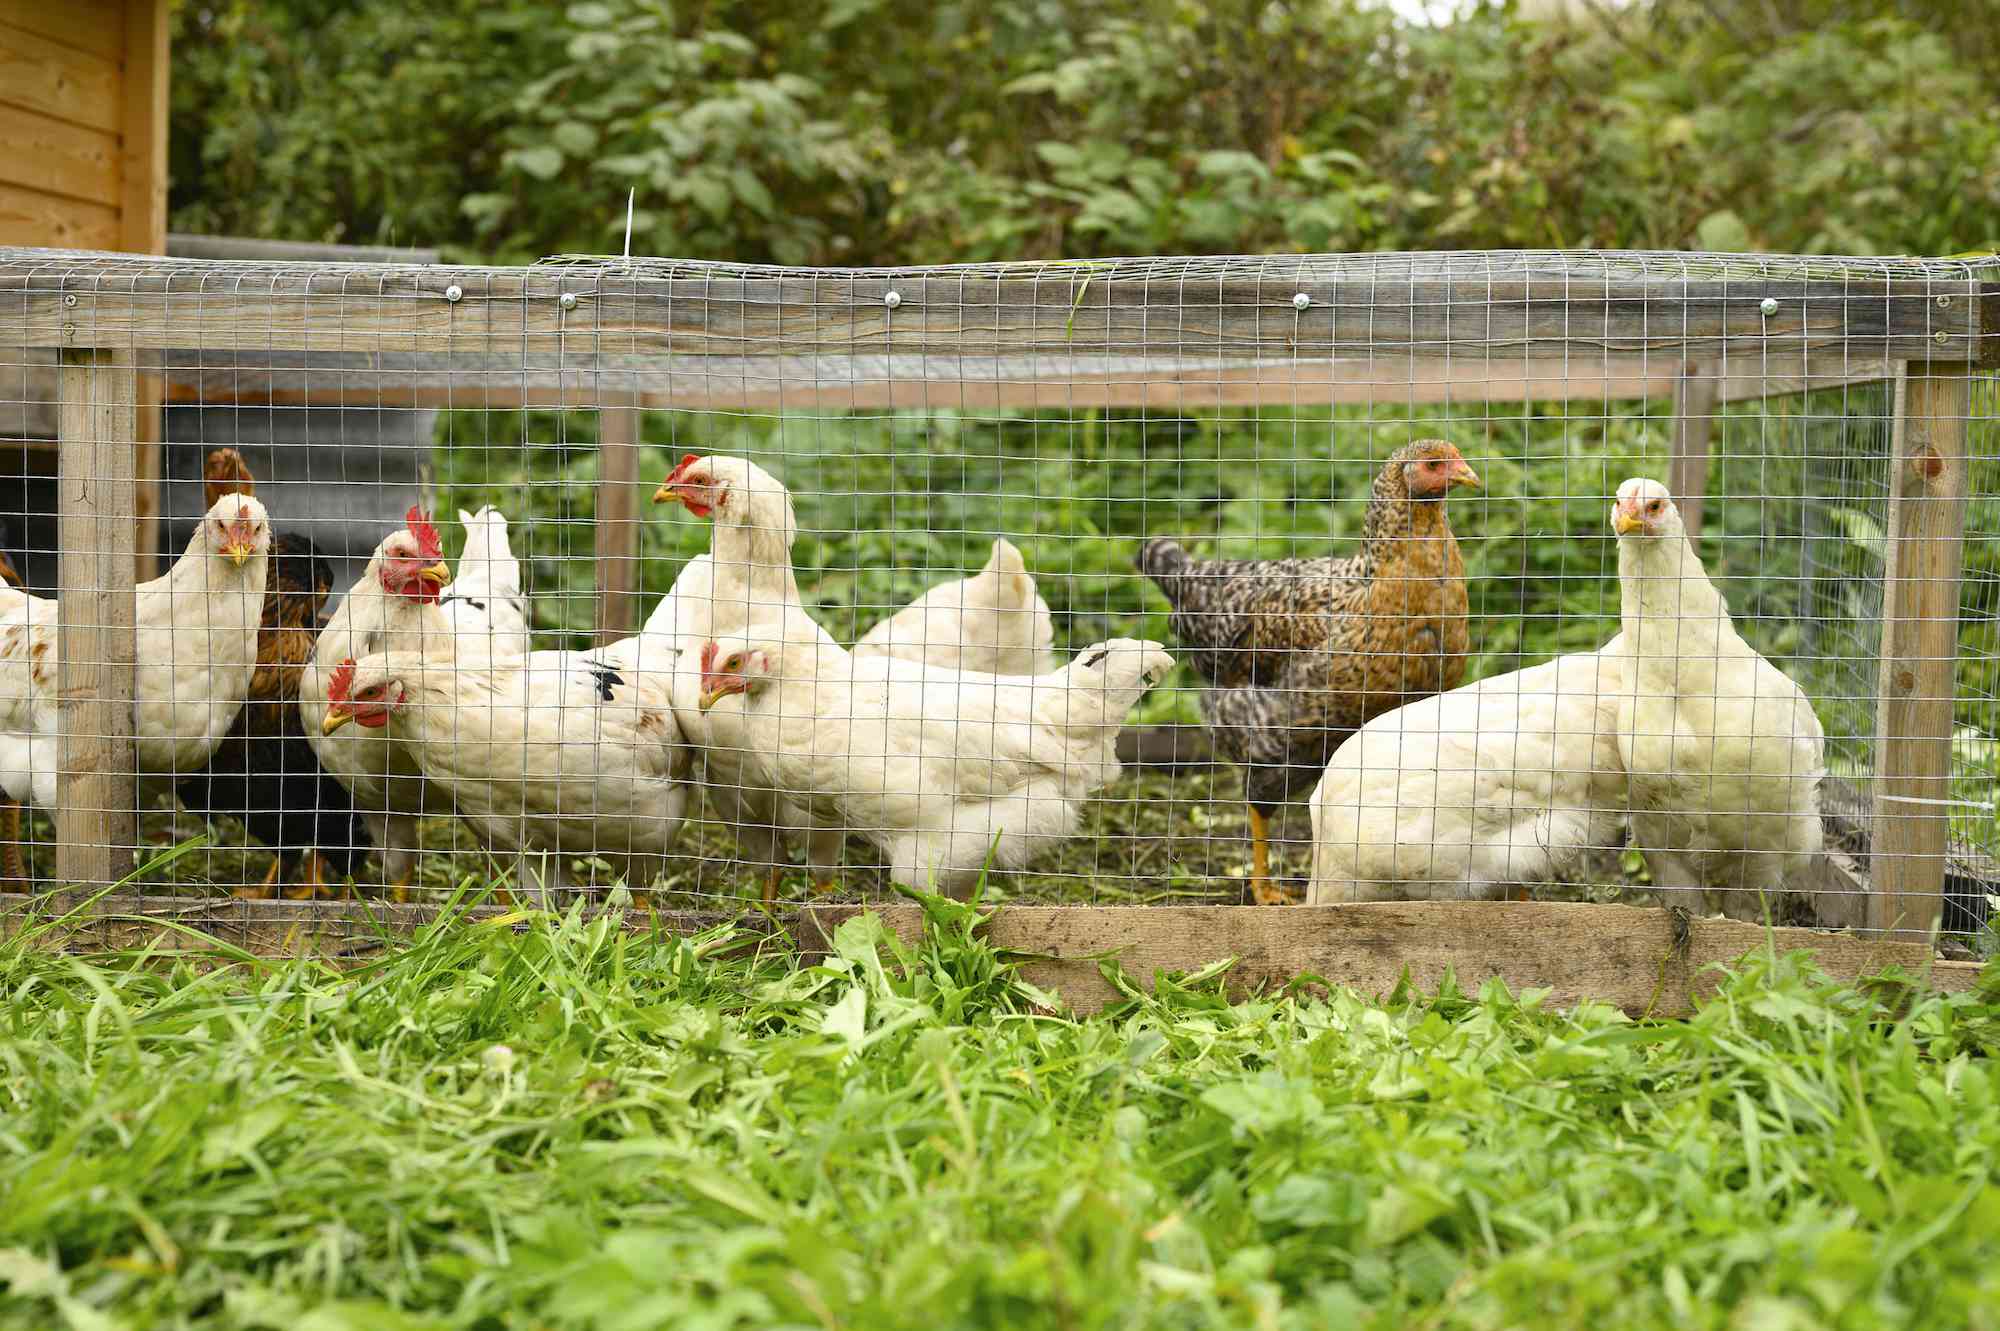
(1627, 956)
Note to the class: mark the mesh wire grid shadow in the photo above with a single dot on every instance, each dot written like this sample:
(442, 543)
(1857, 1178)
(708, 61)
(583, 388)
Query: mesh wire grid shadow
(682, 585)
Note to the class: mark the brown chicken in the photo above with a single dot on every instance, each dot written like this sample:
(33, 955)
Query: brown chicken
(1299, 653)
(265, 772)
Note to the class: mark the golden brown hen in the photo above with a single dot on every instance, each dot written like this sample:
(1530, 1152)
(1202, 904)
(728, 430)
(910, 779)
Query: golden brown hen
(1299, 653)
(265, 772)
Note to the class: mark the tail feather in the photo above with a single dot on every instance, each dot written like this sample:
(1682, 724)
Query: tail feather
(488, 561)
(1165, 561)
(1009, 570)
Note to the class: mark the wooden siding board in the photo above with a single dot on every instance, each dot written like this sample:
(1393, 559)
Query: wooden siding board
(37, 74)
(55, 157)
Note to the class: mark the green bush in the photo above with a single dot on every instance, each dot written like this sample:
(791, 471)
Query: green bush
(890, 131)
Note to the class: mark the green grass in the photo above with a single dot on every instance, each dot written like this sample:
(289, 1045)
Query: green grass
(561, 1125)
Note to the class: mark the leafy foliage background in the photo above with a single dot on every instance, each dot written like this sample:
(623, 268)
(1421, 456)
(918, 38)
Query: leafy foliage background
(877, 131)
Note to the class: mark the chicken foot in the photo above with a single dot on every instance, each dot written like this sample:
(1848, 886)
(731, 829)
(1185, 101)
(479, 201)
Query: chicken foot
(1262, 890)
(266, 889)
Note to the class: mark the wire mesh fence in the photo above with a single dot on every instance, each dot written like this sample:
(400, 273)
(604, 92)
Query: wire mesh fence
(663, 584)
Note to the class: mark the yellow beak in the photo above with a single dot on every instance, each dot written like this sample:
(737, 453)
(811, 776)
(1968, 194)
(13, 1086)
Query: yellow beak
(715, 695)
(437, 574)
(334, 721)
(237, 553)
(665, 494)
(1622, 522)
(1463, 474)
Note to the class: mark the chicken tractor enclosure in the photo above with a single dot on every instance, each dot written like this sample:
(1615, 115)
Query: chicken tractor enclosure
(1566, 618)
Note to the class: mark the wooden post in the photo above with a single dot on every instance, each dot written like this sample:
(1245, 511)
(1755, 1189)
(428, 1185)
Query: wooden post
(97, 798)
(142, 227)
(1924, 556)
(617, 522)
(1695, 394)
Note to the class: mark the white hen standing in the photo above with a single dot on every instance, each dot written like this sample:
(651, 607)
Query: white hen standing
(994, 622)
(1467, 794)
(195, 645)
(485, 598)
(744, 586)
(939, 770)
(1723, 752)
(551, 752)
(392, 608)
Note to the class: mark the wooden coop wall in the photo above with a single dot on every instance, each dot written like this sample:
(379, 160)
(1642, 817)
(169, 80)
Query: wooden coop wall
(83, 121)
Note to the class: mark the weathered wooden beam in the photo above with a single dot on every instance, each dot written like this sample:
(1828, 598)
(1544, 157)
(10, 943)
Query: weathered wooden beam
(617, 524)
(1622, 955)
(1919, 655)
(1695, 393)
(1353, 308)
(96, 800)
(873, 383)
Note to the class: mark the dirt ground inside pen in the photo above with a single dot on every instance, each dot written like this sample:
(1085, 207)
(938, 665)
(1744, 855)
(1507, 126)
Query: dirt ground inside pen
(1158, 838)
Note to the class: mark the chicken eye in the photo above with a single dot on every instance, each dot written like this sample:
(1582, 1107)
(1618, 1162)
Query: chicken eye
(1653, 507)
(733, 664)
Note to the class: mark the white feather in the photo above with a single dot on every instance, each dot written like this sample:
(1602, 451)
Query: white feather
(1465, 794)
(994, 622)
(484, 600)
(196, 648)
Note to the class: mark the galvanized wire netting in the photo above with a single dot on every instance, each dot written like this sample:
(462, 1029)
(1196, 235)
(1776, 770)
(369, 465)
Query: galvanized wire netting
(930, 423)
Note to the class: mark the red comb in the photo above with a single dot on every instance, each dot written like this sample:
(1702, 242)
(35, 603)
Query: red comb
(707, 657)
(684, 464)
(429, 545)
(341, 681)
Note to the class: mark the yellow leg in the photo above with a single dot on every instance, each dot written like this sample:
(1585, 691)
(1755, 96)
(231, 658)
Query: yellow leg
(399, 891)
(13, 866)
(830, 883)
(771, 887)
(268, 889)
(1262, 890)
(316, 875)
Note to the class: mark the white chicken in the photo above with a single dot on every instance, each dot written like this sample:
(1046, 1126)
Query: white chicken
(1466, 794)
(485, 597)
(994, 622)
(942, 771)
(195, 645)
(550, 753)
(1723, 750)
(392, 608)
(744, 586)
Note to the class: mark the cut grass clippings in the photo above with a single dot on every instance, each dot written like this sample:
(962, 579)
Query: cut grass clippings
(564, 1125)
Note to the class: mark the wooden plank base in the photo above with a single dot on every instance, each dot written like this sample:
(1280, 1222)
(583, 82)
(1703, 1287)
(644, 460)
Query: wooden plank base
(1623, 955)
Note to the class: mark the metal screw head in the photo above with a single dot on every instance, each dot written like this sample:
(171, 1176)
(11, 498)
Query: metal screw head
(1943, 301)
(1940, 337)
(69, 298)
(893, 299)
(1770, 306)
(1301, 300)
(568, 300)
(453, 292)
